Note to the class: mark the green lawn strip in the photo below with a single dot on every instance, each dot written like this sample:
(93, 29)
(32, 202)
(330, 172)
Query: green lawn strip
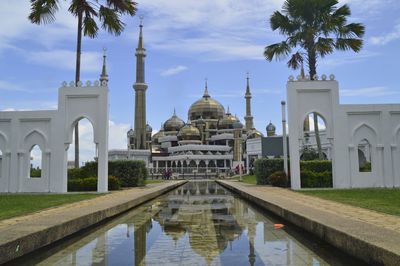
(248, 179)
(153, 181)
(18, 204)
(381, 200)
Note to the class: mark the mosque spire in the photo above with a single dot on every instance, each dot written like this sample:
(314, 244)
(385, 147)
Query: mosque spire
(248, 118)
(104, 76)
(140, 88)
(206, 95)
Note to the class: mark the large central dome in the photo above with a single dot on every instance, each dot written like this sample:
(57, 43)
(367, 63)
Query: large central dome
(206, 108)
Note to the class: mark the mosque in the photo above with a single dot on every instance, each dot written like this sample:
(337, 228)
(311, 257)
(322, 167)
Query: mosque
(210, 142)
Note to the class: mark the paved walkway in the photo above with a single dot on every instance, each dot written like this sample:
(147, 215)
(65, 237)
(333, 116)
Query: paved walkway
(21, 235)
(323, 218)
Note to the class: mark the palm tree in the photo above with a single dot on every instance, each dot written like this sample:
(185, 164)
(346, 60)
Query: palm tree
(89, 13)
(315, 28)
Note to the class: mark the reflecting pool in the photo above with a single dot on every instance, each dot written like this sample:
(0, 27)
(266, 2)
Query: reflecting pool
(199, 223)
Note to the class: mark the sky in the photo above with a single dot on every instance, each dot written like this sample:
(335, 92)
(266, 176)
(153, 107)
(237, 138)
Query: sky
(187, 41)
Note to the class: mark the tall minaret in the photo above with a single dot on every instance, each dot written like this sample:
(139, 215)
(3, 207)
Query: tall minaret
(104, 76)
(140, 95)
(248, 118)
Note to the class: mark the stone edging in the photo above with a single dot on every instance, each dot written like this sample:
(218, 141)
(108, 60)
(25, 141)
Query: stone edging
(359, 248)
(31, 241)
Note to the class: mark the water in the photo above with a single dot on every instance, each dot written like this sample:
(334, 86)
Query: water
(199, 223)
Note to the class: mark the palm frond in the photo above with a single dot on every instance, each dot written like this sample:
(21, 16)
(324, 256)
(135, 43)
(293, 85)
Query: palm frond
(295, 61)
(278, 51)
(123, 6)
(111, 21)
(43, 11)
(90, 27)
(324, 46)
(349, 44)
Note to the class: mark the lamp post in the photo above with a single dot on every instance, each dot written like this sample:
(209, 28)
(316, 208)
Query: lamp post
(284, 138)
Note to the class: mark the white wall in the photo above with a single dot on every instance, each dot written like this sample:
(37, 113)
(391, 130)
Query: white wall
(52, 132)
(346, 127)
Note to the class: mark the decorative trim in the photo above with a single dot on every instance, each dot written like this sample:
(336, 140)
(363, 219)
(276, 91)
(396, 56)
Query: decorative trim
(363, 112)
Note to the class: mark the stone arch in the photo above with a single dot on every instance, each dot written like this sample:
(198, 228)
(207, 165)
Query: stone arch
(320, 114)
(71, 127)
(35, 137)
(364, 131)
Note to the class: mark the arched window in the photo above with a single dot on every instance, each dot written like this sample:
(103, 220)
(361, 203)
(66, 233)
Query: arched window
(35, 157)
(315, 142)
(364, 156)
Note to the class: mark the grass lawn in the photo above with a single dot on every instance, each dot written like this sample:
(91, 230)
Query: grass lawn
(381, 200)
(18, 204)
(153, 181)
(249, 179)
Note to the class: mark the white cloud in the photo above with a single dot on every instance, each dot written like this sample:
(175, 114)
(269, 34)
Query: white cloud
(368, 92)
(65, 59)
(173, 70)
(9, 86)
(388, 37)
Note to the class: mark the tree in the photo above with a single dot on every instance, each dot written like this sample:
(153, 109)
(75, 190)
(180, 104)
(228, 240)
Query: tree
(88, 13)
(315, 28)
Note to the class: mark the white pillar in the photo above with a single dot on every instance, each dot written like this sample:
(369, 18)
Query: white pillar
(284, 138)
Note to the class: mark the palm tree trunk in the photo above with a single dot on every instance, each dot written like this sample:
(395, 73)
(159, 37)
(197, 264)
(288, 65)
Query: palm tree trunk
(77, 78)
(317, 137)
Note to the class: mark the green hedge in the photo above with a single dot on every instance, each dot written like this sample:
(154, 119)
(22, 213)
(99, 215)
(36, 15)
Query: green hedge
(129, 173)
(310, 179)
(278, 179)
(316, 173)
(264, 167)
(90, 184)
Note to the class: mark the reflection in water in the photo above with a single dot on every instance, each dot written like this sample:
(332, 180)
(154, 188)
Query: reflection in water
(199, 223)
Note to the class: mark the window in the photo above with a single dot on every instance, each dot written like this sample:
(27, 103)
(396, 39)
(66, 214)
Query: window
(364, 156)
(35, 157)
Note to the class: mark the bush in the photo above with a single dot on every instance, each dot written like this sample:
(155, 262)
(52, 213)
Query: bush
(311, 171)
(36, 172)
(128, 173)
(264, 167)
(316, 166)
(77, 173)
(90, 184)
(366, 167)
(310, 179)
(278, 179)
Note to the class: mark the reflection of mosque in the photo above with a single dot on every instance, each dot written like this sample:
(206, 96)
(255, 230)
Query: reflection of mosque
(199, 222)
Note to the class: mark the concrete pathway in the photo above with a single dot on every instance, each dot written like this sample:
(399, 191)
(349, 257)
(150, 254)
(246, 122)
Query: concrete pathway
(369, 235)
(21, 235)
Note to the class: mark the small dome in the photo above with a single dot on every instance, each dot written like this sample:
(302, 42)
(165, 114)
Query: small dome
(189, 132)
(227, 121)
(270, 129)
(130, 133)
(206, 107)
(149, 128)
(254, 133)
(237, 124)
(174, 123)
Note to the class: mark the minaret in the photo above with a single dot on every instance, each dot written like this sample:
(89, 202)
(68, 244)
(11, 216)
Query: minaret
(140, 95)
(248, 118)
(104, 76)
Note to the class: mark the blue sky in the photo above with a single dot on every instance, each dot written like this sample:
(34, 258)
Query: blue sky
(188, 41)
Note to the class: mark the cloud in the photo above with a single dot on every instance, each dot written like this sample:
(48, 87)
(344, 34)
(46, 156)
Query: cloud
(65, 59)
(386, 38)
(173, 71)
(368, 92)
(8, 86)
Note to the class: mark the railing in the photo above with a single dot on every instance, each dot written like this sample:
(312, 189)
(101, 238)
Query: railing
(189, 172)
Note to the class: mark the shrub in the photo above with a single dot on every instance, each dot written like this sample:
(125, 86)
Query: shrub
(316, 166)
(77, 173)
(90, 184)
(366, 167)
(36, 172)
(264, 167)
(128, 173)
(310, 179)
(278, 179)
